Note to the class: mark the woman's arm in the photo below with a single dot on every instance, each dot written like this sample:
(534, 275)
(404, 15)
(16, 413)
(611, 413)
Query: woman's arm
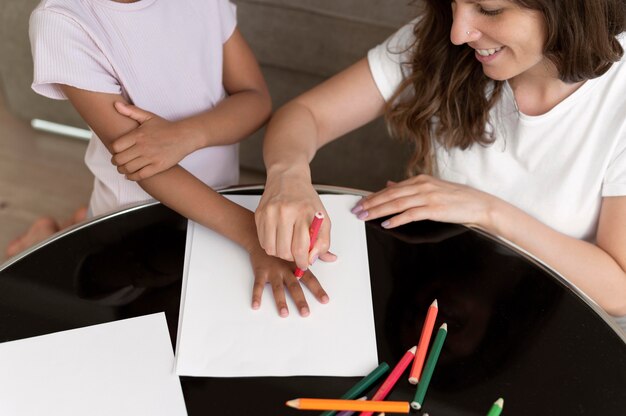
(598, 270)
(185, 194)
(161, 144)
(345, 102)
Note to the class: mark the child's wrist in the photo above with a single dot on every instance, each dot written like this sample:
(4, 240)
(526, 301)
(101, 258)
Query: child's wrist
(194, 136)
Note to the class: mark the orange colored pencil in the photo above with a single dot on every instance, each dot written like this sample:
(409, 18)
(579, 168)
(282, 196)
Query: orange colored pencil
(353, 405)
(422, 346)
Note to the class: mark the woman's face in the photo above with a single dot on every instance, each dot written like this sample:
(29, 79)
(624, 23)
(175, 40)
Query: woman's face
(508, 39)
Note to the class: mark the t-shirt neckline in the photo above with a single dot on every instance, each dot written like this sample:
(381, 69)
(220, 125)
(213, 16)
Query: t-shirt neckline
(141, 4)
(557, 109)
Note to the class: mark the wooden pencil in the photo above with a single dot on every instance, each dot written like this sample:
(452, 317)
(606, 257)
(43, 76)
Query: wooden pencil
(433, 356)
(496, 408)
(354, 405)
(422, 345)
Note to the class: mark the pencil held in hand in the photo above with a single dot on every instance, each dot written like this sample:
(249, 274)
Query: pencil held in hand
(314, 230)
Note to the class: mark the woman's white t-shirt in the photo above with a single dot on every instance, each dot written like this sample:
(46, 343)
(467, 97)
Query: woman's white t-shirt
(558, 166)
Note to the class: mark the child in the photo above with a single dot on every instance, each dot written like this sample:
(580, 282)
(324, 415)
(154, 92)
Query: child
(185, 62)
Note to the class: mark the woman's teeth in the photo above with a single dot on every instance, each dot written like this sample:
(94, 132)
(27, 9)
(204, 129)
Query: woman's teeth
(487, 52)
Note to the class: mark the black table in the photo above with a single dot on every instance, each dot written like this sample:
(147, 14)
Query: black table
(517, 330)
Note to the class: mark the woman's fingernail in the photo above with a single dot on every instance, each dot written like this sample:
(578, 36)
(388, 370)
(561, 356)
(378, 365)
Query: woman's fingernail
(255, 305)
(363, 215)
(358, 208)
(284, 312)
(324, 299)
(304, 312)
(385, 224)
(313, 260)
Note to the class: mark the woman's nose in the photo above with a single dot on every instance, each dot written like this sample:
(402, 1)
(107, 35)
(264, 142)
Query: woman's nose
(462, 30)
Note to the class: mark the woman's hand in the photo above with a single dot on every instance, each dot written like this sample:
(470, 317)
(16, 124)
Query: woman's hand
(280, 274)
(153, 147)
(284, 215)
(426, 198)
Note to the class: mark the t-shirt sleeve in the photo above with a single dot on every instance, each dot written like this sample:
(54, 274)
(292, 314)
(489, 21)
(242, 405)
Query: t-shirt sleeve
(228, 18)
(386, 60)
(65, 54)
(615, 176)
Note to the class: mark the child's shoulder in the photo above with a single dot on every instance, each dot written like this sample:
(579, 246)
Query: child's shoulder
(60, 5)
(73, 9)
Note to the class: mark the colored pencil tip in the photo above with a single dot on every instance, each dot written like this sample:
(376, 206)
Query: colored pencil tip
(413, 380)
(293, 403)
(412, 350)
(444, 326)
(435, 304)
(416, 405)
(319, 214)
(500, 402)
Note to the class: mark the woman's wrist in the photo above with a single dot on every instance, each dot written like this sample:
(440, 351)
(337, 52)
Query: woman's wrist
(295, 170)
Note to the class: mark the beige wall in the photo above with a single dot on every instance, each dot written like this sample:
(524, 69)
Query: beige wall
(299, 43)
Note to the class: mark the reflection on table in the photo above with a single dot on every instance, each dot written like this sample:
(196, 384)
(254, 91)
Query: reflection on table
(516, 329)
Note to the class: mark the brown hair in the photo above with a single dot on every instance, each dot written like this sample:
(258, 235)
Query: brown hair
(444, 96)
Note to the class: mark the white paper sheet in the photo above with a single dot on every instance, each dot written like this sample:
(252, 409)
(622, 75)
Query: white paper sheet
(122, 368)
(220, 335)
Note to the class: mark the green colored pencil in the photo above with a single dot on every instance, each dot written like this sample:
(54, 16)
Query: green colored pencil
(497, 407)
(429, 368)
(363, 385)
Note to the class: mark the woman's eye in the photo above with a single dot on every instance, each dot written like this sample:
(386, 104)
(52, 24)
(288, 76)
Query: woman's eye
(487, 12)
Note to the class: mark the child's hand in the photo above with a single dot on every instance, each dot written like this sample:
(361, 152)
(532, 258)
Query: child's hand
(279, 273)
(153, 147)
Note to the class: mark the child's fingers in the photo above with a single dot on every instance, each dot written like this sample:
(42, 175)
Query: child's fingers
(297, 295)
(131, 111)
(257, 292)
(311, 282)
(279, 297)
(143, 173)
(124, 142)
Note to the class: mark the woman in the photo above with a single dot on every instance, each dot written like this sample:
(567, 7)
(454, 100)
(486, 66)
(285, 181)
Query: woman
(517, 113)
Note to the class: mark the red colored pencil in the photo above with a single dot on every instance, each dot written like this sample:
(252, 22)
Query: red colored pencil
(314, 230)
(422, 345)
(391, 379)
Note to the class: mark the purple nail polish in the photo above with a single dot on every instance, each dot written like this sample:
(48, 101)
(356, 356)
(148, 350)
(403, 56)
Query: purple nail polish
(357, 208)
(385, 224)
(363, 215)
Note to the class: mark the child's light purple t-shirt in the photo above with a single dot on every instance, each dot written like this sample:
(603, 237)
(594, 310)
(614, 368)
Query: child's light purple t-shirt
(164, 56)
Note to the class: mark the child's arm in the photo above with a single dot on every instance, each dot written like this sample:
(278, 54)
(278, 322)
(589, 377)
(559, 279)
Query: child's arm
(184, 193)
(161, 144)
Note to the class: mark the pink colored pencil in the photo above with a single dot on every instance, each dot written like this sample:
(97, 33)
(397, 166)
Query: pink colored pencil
(422, 346)
(392, 378)
(314, 230)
